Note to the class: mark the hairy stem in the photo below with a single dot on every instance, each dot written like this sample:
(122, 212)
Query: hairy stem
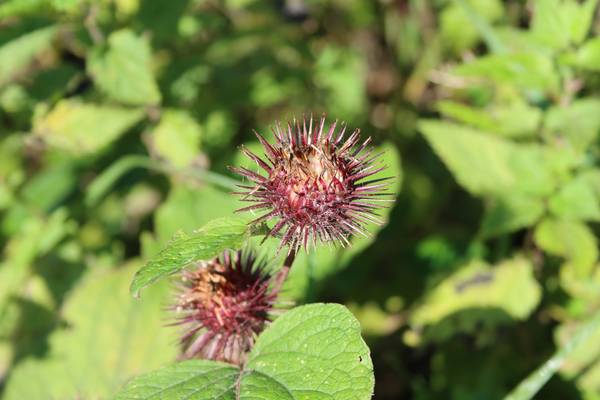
(284, 271)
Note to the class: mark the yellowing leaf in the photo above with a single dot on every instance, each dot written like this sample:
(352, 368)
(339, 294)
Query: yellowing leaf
(509, 286)
(84, 128)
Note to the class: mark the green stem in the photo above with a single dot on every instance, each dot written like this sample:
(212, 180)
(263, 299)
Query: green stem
(534, 382)
(102, 184)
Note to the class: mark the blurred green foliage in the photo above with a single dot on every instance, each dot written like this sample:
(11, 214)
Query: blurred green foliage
(118, 119)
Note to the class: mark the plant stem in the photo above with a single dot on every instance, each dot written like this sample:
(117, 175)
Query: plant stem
(284, 271)
(534, 382)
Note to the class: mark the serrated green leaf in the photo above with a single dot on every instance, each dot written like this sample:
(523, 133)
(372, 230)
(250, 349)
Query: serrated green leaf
(84, 128)
(187, 208)
(569, 239)
(109, 338)
(193, 380)
(177, 138)
(316, 351)
(488, 165)
(18, 53)
(204, 244)
(311, 352)
(123, 71)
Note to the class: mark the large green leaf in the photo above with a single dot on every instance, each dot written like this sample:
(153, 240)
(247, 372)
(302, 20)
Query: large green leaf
(109, 338)
(311, 352)
(18, 53)
(192, 380)
(123, 71)
(204, 244)
(85, 128)
(488, 165)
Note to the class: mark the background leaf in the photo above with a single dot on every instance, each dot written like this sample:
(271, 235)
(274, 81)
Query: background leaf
(17, 54)
(488, 165)
(109, 338)
(177, 138)
(85, 128)
(123, 71)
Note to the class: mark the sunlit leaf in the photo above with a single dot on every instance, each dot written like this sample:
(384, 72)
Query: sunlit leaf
(123, 71)
(110, 338)
(84, 128)
(513, 120)
(521, 70)
(313, 351)
(577, 122)
(488, 165)
(177, 138)
(569, 239)
(587, 56)
(509, 286)
(18, 53)
(204, 244)
(577, 200)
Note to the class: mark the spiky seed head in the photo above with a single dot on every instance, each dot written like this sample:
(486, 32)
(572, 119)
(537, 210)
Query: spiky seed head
(224, 304)
(314, 185)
